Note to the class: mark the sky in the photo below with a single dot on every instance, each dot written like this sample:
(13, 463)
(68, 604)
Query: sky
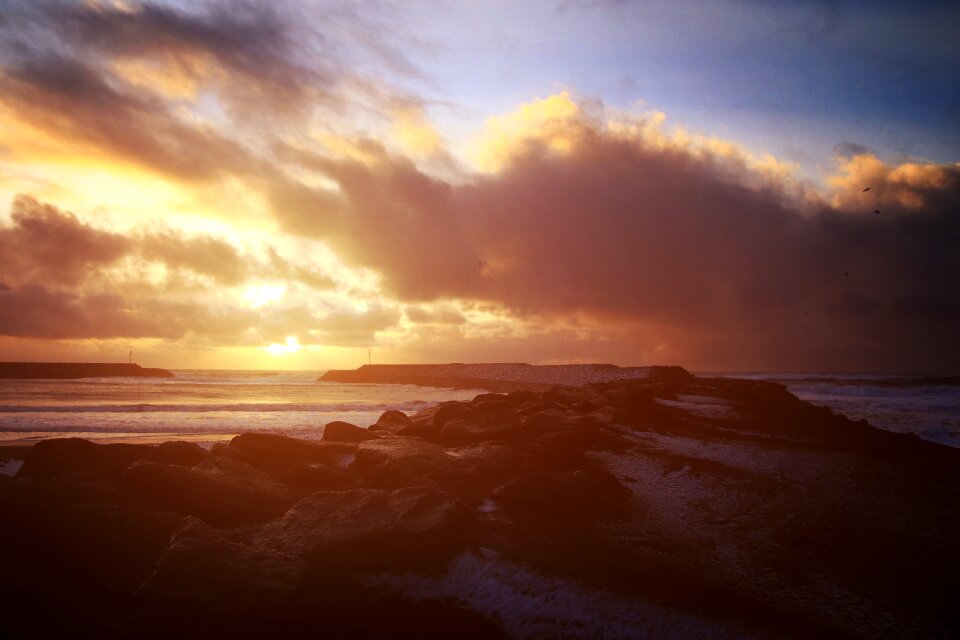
(727, 185)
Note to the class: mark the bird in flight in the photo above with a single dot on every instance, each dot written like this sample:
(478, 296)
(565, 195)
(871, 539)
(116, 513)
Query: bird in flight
(865, 190)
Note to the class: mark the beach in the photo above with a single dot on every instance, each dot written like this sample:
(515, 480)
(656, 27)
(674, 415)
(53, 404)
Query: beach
(666, 505)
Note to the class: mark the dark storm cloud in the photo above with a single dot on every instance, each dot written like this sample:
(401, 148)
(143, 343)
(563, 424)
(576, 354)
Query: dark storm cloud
(45, 244)
(33, 311)
(387, 214)
(680, 240)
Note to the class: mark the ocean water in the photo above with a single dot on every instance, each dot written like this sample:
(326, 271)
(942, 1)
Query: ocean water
(205, 406)
(928, 406)
(208, 406)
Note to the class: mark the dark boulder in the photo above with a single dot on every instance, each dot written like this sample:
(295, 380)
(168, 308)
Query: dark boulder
(206, 583)
(492, 403)
(482, 467)
(570, 498)
(451, 411)
(559, 450)
(394, 416)
(221, 491)
(339, 431)
(481, 426)
(276, 454)
(48, 458)
(116, 546)
(371, 529)
(393, 462)
(307, 478)
(81, 487)
(392, 421)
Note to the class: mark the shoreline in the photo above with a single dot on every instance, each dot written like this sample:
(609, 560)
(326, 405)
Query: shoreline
(747, 511)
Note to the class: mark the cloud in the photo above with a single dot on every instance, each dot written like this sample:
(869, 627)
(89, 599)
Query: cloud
(70, 99)
(389, 215)
(434, 314)
(350, 327)
(45, 244)
(719, 257)
(66, 279)
(906, 187)
(201, 254)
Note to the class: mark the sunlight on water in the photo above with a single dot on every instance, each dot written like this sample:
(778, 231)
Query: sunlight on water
(199, 405)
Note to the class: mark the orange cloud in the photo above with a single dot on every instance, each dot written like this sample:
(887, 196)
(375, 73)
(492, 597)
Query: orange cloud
(909, 186)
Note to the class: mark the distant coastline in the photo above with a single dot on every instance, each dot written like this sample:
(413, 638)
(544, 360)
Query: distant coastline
(74, 370)
(500, 377)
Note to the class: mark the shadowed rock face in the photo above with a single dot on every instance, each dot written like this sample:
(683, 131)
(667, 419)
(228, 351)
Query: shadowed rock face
(671, 506)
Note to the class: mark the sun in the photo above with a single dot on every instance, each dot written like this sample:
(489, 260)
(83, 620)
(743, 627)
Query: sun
(291, 346)
(261, 295)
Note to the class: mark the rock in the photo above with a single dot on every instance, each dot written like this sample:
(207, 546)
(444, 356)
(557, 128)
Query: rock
(116, 546)
(276, 454)
(205, 582)
(561, 449)
(307, 478)
(567, 498)
(520, 397)
(338, 431)
(48, 458)
(81, 487)
(394, 462)
(393, 418)
(480, 427)
(371, 529)
(492, 403)
(451, 411)
(425, 424)
(220, 491)
(480, 468)
(591, 432)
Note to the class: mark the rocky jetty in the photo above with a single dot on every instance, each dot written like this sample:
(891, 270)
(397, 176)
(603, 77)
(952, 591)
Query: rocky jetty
(72, 370)
(500, 377)
(666, 506)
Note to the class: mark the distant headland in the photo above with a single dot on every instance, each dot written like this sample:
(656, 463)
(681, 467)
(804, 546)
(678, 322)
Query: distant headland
(500, 377)
(73, 370)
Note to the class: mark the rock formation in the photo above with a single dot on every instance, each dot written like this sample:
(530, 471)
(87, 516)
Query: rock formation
(666, 506)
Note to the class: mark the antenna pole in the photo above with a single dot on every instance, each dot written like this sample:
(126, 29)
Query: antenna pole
(369, 361)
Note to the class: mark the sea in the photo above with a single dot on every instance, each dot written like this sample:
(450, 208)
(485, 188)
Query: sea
(199, 405)
(208, 406)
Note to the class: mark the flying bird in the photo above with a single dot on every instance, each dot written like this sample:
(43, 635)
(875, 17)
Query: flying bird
(865, 190)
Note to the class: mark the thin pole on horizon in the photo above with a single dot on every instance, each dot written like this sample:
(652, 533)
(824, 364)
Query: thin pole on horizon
(369, 360)
(131, 357)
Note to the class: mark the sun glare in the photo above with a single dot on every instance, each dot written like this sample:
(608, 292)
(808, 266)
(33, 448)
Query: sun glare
(292, 346)
(260, 295)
